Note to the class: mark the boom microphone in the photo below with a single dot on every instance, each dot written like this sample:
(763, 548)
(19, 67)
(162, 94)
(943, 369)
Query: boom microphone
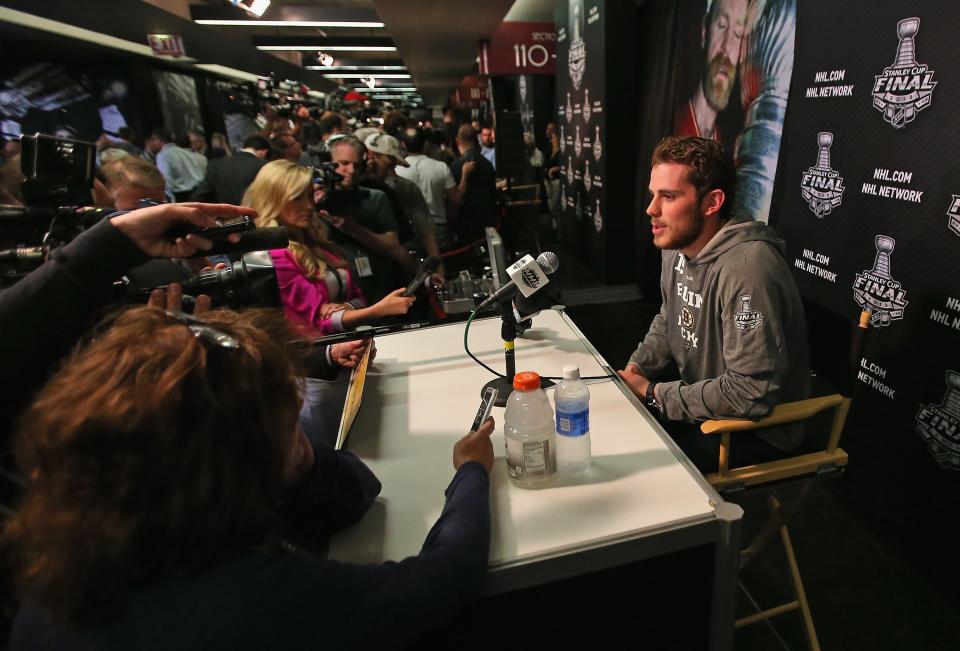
(526, 276)
(429, 265)
(259, 239)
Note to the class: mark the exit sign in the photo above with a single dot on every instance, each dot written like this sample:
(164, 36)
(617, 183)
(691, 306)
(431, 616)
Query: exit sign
(166, 45)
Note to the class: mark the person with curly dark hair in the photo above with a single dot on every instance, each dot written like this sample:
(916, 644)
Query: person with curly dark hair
(170, 486)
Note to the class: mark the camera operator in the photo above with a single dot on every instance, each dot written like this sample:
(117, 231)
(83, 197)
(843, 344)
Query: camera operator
(170, 486)
(365, 223)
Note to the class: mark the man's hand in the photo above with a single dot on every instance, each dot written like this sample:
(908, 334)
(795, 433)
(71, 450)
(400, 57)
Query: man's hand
(171, 300)
(148, 228)
(475, 446)
(468, 168)
(349, 353)
(437, 278)
(635, 380)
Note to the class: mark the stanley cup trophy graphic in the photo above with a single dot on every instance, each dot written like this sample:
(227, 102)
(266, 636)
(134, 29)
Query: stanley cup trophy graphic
(905, 88)
(906, 52)
(881, 264)
(939, 425)
(824, 141)
(747, 318)
(876, 290)
(821, 186)
(577, 55)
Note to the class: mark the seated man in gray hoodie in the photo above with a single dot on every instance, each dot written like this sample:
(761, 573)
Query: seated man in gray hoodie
(732, 321)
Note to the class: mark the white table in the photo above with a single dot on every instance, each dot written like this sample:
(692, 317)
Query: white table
(641, 498)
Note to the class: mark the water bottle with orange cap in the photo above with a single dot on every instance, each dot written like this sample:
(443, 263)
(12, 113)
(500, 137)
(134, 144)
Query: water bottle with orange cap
(530, 433)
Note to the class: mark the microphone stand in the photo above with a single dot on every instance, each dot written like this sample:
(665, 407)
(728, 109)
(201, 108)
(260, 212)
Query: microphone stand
(508, 332)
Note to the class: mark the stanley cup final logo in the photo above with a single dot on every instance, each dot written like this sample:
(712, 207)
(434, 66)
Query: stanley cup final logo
(568, 111)
(939, 425)
(597, 217)
(562, 139)
(821, 186)
(876, 291)
(577, 56)
(747, 318)
(905, 88)
(953, 214)
(587, 179)
(577, 145)
(598, 148)
(586, 105)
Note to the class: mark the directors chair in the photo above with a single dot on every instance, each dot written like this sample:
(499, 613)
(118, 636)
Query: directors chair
(786, 482)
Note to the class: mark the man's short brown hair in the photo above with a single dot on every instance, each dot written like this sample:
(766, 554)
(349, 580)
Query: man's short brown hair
(133, 171)
(710, 165)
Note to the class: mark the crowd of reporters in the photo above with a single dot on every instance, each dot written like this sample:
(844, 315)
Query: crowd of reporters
(173, 493)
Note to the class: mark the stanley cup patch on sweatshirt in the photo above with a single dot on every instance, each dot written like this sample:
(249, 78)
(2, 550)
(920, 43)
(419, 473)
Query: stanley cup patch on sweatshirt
(747, 318)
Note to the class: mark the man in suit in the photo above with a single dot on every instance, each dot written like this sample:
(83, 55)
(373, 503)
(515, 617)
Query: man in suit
(228, 178)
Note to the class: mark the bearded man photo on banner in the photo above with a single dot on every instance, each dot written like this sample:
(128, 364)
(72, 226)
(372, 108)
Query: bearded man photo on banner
(720, 37)
(745, 51)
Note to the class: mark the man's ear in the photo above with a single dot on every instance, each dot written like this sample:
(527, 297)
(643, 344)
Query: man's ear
(713, 201)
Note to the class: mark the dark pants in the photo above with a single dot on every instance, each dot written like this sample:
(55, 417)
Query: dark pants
(746, 448)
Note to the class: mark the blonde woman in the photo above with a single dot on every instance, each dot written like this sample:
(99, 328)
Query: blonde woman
(317, 288)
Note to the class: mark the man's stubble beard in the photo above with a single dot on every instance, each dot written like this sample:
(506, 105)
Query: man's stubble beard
(684, 236)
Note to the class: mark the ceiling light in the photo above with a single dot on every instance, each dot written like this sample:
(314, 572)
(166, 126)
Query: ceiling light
(332, 48)
(361, 89)
(256, 7)
(290, 23)
(330, 68)
(324, 59)
(361, 77)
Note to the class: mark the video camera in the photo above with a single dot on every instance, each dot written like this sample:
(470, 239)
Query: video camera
(336, 200)
(57, 188)
(59, 178)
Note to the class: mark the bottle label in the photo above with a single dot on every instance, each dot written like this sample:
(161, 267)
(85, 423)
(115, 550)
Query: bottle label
(529, 459)
(576, 423)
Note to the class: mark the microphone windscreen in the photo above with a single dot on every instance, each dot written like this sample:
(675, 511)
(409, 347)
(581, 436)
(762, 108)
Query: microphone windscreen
(431, 264)
(259, 239)
(548, 261)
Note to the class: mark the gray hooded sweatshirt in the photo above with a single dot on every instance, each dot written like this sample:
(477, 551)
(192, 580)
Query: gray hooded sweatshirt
(733, 322)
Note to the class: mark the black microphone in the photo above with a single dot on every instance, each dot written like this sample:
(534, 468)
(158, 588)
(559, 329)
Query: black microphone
(259, 239)
(546, 261)
(428, 267)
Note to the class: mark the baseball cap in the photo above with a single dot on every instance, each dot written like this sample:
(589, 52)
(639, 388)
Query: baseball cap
(382, 143)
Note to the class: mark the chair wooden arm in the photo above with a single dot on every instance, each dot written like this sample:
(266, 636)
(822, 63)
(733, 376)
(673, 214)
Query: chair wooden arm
(784, 413)
(787, 412)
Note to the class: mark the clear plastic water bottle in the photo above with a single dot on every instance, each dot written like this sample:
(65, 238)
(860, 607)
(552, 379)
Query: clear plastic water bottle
(572, 399)
(529, 433)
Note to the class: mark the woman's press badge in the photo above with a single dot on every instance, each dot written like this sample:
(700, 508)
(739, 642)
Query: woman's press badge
(363, 266)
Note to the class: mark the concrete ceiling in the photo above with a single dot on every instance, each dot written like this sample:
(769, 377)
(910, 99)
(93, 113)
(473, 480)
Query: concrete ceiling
(439, 39)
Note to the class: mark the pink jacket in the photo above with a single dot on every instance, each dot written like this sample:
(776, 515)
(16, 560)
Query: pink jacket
(303, 297)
